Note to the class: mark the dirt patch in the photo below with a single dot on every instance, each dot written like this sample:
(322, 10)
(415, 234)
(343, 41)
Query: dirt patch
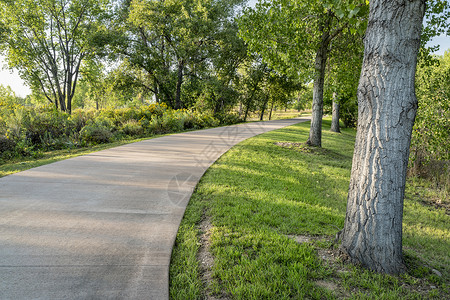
(207, 260)
(329, 255)
(435, 196)
(301, 238)
(302, 147)
(437, 203)
(331, 286)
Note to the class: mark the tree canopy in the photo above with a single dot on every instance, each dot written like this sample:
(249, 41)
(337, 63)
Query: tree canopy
(47, 41)
(295, 37)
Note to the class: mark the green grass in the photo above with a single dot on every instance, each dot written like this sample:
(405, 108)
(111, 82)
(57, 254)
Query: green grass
(259, 195)
(277, 114)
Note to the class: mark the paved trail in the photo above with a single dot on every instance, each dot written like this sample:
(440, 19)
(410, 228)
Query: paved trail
(102, 226)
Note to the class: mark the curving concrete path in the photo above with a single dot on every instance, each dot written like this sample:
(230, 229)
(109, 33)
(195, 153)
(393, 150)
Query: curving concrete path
(102, 226)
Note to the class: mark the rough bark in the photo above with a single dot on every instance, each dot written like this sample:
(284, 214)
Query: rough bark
(315, 132)
(372, 234)
(335, 116)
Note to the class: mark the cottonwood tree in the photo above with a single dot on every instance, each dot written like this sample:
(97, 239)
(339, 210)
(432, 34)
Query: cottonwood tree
(47, 41)
(344, 69)
(387, 106)
(172, 40)
(294, 37)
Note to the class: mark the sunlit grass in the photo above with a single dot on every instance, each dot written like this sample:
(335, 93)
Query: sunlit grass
(259, 194)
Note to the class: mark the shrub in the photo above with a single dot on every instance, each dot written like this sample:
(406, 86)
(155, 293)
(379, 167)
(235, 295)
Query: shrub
(80, 118)
(132, 128)
(430, 154)
(228, 118)
(172, 121)
(103, 120)
(154, 126)
(205, 120)
(157, 109)
(47, 129)
(95, 134)
(6, 144)
(28, 131)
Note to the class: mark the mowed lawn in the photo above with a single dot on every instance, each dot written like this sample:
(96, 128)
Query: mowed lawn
(262, 222)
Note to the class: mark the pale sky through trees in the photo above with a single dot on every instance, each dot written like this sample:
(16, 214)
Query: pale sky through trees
(17, 84)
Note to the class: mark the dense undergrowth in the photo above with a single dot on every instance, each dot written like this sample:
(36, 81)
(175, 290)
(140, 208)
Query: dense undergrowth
(263, 218)
(31, 131)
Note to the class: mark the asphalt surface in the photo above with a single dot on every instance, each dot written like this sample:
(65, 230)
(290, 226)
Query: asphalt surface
(102, 225)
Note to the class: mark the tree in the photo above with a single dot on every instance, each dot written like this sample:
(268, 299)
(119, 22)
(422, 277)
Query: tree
(173, 40)
(387, 106)
(252, 76)
(47, 41)
(294, 37)
(344, 69)
(216, 87)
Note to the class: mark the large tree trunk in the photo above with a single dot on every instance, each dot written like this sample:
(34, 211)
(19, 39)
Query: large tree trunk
(315, 131)
(372, 233)
(335, 116)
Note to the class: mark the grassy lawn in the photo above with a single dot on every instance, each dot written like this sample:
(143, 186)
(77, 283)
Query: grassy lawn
(263, 218)
(278, 114)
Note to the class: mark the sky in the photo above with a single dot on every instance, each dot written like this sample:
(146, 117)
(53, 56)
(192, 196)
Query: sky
(12, 79)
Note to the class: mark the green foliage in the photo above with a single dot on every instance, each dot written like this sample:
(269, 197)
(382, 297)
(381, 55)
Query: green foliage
(6, 145)
(168, 43)
(431, 133)
(261, 88)
(436, 22)
(95, 133)
(47, 41)
(349, 111)
(287, 34)
(29, 131)
(342, 78)
(132, 128)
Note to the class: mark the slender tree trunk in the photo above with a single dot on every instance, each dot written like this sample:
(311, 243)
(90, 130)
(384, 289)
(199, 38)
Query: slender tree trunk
(69, 89)
(179, 82)
(372, 234)
(62, 102)
(155, 87)
(315, 132)
(263, 109)
(216, 104)
(270, 114)
(247, 108)
(335, 116)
